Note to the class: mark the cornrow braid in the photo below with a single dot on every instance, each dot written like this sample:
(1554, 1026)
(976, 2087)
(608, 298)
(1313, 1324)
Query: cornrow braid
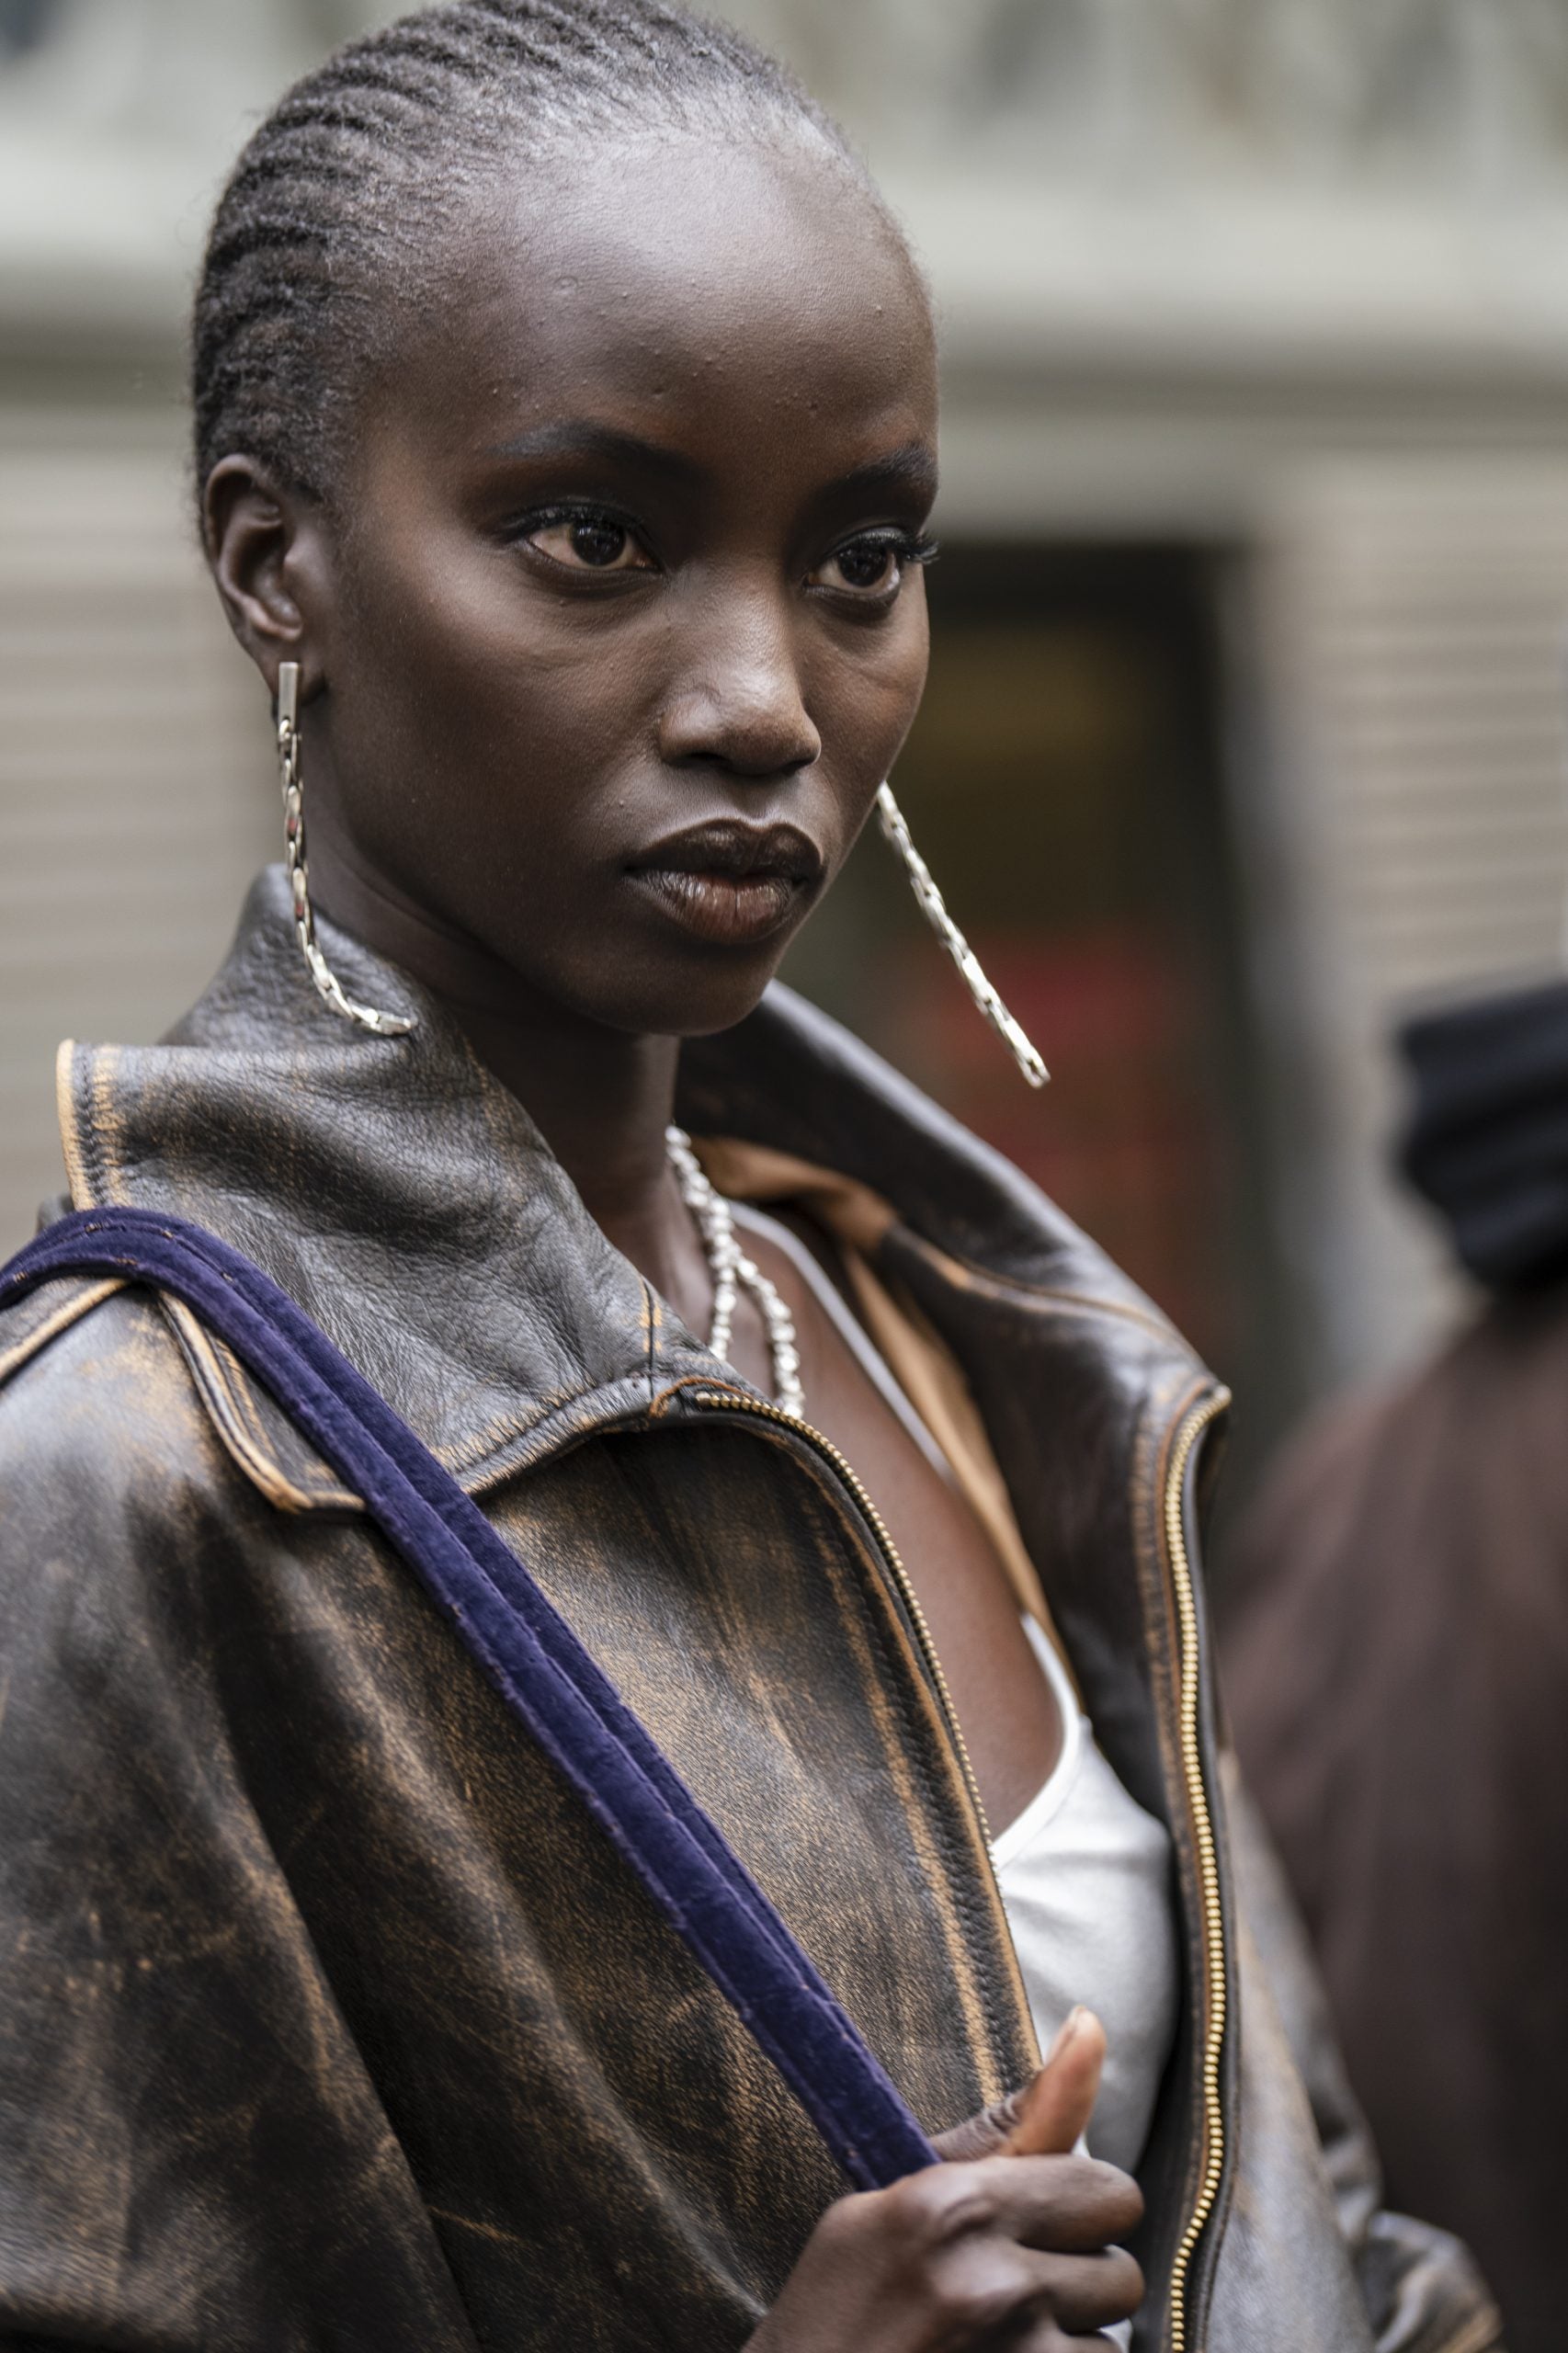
(327, 233)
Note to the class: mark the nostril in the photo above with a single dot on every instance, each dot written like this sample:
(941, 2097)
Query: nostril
(754, 732)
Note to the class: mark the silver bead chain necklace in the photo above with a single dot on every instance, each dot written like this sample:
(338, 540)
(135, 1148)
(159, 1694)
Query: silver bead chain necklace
(733, 1272)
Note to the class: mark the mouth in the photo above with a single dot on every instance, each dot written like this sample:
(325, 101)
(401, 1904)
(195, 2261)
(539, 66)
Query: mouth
(730, 883)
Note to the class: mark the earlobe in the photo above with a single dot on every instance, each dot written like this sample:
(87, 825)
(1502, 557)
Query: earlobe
(252, 531)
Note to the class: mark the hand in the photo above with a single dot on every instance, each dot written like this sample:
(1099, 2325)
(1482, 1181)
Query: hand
(1010, 2242)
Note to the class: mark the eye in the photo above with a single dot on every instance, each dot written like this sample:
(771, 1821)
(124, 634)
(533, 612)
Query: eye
(873, 564)
(587, 539)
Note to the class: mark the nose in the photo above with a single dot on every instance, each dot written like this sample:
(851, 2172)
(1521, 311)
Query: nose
(738, 702)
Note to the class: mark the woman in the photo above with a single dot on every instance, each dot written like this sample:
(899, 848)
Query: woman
(566, 419)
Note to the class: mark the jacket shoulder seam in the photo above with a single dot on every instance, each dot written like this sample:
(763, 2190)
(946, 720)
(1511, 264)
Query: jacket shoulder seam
(228, 1396)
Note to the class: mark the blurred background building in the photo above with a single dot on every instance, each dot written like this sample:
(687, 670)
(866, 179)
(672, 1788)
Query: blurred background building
(1246, 726)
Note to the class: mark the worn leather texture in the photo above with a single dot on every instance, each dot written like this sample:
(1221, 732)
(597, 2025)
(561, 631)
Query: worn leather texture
(330, 2019)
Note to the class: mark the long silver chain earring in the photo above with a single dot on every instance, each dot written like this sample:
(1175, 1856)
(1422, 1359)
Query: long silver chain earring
(383, 1025)
(932, 906)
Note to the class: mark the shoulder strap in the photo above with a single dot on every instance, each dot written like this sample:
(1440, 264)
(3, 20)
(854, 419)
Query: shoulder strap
(531, 1656)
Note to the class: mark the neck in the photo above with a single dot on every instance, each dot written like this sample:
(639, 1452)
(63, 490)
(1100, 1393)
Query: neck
(601, 1100)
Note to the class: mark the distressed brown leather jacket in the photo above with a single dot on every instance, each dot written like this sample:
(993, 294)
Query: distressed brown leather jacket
(328, 2019)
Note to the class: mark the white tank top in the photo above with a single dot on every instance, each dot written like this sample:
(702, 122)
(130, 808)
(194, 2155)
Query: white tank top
(1086, 1876)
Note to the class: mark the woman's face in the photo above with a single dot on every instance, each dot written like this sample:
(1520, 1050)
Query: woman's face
(622, 622)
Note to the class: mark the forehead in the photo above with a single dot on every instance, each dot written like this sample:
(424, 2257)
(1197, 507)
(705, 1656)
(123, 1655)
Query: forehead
(685, 279)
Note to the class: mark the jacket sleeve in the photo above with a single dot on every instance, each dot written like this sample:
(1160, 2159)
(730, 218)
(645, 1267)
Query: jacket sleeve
(193, 2158)
(1422, 2292)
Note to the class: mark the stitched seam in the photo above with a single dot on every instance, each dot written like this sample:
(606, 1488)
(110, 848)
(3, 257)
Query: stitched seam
(243, 1438)
(106, 1127)
(325, 1493)
(464, 1453)
(958, 1862)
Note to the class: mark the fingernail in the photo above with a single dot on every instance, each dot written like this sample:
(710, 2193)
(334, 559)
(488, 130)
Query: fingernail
(1065, 2032)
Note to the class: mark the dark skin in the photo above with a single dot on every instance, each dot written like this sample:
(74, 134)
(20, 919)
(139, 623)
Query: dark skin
(607, 639)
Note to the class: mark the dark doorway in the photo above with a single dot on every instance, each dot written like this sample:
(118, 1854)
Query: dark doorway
(1065, 781)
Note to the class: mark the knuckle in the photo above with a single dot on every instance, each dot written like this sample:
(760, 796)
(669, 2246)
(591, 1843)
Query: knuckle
(1089, 2292)
(935, 2206)
(841, 2224)
(975, 2288)
(1127, 2274)
(1120, 2194)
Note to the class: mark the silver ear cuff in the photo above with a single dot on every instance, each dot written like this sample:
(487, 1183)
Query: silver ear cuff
(932, 906)
(383, 1025)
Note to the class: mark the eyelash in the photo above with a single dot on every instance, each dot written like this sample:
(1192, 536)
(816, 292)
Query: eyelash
(909, 548)
(541, 518)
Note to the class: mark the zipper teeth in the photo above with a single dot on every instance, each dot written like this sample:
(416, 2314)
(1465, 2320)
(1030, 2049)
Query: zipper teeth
(1208, 1864)
(733, 1402)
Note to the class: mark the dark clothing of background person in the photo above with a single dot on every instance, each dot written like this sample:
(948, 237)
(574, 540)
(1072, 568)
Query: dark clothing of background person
(1396, 1659)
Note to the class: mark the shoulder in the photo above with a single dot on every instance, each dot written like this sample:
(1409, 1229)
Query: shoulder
(123, 1388)
(98, 1412)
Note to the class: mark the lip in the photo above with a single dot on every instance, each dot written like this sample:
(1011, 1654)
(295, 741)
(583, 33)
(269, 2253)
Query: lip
(728, 883)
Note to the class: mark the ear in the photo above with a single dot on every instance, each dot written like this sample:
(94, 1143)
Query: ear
(266, 548)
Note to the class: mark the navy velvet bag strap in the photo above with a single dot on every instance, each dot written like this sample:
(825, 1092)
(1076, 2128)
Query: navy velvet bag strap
(534, 1660)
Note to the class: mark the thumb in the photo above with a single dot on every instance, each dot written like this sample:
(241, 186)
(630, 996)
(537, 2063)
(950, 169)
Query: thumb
(1056, 2107)
(1045, 2117)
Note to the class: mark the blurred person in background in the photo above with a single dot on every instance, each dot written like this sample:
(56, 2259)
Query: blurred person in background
(1396, 1666)
(565, 415)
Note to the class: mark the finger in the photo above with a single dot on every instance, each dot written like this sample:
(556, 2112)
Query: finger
(983, 2283)
(1056, 2107)
(1084, 2292)
(1045, 2336)
(993, 2130)
(1071, 2205)
(985, 2135)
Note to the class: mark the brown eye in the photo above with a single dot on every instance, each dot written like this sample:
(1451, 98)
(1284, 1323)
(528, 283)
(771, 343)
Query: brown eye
(873, 565)
(590, 542)
(867, 565)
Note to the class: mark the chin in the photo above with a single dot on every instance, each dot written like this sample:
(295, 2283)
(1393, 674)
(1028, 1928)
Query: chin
(688, 1004)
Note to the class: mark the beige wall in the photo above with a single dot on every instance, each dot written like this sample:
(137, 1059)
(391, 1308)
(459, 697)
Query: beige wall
(136, 789)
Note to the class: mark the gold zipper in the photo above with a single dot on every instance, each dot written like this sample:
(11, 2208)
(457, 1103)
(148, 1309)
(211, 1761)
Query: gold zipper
(1188, 1435)
(733, 1402)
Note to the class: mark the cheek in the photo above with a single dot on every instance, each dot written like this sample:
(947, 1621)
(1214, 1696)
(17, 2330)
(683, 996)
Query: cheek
(866, 698)
(465, 701)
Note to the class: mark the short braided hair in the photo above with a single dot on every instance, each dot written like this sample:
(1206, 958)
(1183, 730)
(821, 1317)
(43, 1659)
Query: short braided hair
(326, 231)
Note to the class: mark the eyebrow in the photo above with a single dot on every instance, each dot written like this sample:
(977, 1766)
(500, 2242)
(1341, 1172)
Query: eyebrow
(911, 468)
(583, 437)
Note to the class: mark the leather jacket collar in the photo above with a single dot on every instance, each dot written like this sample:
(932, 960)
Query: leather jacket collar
(402, 1173)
